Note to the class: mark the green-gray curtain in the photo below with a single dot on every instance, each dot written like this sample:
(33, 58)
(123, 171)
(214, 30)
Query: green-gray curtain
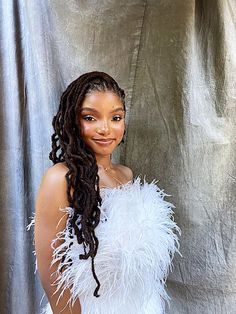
(176, 61)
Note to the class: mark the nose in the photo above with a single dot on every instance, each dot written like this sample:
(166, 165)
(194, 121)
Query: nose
(103, 128)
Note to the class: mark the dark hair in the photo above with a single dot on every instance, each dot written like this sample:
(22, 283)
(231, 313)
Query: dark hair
(80, 159)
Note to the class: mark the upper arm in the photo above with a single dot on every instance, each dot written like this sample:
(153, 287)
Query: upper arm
(51, 195)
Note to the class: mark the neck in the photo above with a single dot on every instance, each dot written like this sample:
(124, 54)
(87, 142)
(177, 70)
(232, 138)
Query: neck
(103, 161)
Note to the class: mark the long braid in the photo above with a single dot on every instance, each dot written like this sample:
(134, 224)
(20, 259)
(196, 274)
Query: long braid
(82, 175)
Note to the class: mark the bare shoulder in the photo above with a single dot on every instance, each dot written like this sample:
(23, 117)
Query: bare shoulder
(53, 185)
(56, 173)
(59, 168)
(128, 173)
(49, 221)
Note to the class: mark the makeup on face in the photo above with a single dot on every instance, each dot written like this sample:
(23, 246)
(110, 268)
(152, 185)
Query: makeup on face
(102, 121)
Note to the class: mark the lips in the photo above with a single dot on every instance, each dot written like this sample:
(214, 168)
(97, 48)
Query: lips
(104, 142)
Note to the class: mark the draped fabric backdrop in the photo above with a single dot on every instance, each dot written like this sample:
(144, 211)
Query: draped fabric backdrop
(176, 61)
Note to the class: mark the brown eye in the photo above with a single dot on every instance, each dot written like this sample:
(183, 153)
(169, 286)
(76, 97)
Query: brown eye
(117, 118)
(88, 118)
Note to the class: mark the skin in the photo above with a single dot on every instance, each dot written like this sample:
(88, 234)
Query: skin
(103, 119)
(102, 116)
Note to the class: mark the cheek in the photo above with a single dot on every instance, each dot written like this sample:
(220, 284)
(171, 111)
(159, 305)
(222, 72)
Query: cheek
(86, 129)
(119, 129)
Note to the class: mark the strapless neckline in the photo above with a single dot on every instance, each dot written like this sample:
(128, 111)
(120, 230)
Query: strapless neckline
(118, 186)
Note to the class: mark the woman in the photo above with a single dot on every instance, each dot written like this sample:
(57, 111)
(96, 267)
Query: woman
(103, 240)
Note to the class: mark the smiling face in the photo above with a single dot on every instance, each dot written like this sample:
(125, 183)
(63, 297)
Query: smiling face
(102, 122)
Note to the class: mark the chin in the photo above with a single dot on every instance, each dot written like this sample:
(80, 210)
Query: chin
(104, 152)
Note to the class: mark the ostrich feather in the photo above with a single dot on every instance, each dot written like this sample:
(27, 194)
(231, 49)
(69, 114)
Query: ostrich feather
(137, 241)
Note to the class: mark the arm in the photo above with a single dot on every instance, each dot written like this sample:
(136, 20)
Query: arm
(51, 196)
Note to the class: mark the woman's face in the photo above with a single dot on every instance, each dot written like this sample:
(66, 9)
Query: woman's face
(102, 122)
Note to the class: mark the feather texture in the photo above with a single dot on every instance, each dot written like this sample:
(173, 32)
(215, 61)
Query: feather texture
(137, 241)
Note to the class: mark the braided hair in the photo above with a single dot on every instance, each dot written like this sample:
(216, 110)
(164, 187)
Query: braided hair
(69, 147)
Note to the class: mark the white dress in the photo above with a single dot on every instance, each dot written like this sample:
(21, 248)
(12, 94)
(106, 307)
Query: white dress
(137, 241)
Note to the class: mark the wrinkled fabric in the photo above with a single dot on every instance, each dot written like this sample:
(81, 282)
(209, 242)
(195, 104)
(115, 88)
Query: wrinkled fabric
(176, 61)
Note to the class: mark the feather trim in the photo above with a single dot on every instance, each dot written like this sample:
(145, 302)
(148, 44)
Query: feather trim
(137, 241)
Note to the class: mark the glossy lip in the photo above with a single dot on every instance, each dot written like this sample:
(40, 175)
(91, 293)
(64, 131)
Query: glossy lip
(104, 142)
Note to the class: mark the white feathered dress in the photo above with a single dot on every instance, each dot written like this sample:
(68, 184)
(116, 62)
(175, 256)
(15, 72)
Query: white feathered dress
(137, 241)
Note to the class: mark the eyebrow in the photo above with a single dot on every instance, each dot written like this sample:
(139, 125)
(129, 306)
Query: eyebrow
(94, 110)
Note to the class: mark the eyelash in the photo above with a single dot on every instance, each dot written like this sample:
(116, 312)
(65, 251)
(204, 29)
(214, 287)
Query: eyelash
(120, 118)
(86, 117)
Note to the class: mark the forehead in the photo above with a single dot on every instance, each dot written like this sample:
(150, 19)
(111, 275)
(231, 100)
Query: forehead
(102, 100)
